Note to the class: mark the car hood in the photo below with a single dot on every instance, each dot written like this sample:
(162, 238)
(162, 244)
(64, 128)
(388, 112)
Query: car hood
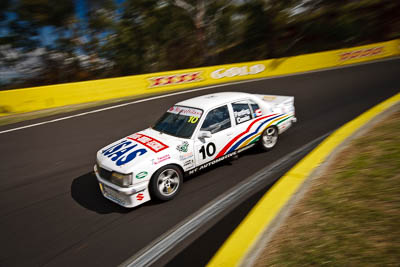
(141, 148)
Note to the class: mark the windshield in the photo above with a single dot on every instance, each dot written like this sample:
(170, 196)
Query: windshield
(179, 121)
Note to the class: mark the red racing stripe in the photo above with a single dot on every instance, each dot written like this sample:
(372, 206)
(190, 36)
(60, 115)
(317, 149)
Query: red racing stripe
(222, 152)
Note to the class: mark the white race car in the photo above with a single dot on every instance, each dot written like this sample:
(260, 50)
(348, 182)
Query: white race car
(190, 136)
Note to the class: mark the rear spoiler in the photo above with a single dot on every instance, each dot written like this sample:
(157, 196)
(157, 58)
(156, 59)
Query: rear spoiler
(279, 103)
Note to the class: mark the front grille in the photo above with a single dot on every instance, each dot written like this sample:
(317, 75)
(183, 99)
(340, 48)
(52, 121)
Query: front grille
(103, 173)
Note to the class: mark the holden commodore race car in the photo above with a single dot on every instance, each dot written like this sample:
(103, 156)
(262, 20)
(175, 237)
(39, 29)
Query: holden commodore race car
(192, 135)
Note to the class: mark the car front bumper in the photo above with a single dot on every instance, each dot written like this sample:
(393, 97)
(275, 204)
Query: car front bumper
(127, 197)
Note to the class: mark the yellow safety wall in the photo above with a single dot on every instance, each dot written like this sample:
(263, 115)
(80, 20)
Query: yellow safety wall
(43, 97)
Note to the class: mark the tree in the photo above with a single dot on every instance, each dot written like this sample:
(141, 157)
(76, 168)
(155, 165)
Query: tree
(28, 21)
(205, 15)
(109, 38)
(330, 24)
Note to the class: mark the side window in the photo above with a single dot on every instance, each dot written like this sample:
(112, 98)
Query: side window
(241, 111)
(257, 112)
(217, 120)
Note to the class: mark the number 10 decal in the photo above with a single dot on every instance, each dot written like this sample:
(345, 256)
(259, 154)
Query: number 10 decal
(193, 119)
(209, 150)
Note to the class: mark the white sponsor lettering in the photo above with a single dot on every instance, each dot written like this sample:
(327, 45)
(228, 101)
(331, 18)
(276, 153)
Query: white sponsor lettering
(237, 71)
(241, 113)
(242, 119)
(201, 167)
(186, 111)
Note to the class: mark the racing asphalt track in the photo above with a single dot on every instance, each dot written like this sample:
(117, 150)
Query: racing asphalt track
(51, 210)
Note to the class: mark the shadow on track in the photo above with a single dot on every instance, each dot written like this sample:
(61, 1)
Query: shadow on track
(86, 192)
(228, 162)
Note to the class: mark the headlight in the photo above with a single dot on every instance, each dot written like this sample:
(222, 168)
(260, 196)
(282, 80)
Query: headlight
(124, 180)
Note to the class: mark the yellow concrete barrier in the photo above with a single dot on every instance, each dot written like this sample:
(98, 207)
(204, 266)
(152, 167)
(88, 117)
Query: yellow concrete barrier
(43, 97)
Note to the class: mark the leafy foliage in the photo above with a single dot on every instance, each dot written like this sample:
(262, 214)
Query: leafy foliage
(91, 39)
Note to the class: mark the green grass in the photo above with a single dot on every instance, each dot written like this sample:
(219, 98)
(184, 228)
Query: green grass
(351, 215)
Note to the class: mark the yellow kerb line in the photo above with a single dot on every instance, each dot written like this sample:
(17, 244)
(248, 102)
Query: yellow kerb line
(241, 241)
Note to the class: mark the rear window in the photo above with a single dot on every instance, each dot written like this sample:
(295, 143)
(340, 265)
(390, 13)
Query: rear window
(256, 109)
(241, 111)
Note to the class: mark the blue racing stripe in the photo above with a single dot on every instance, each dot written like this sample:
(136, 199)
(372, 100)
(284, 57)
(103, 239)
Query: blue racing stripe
(238, 143)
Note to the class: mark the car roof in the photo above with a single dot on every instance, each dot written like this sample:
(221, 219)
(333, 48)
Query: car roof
(209, 101)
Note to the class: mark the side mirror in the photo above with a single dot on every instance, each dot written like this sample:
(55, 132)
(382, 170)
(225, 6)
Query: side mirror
(204, 134)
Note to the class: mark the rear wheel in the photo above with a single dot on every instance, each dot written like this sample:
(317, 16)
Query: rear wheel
(166, 182)
(269, 138)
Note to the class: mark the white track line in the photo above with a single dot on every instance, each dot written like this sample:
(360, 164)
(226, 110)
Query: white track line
(185, 92)
(127, 104)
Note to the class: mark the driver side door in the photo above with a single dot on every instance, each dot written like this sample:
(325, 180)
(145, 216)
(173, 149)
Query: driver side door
(218, 122)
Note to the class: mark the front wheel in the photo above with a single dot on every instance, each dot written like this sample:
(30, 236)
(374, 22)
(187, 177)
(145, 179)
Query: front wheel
(166, 182)
(269, 138)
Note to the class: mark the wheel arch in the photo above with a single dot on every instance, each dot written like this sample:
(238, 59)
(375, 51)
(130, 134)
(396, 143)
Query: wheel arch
(179, 166)
(173, 162)
(275, 125)
(155, 193)
(261, 140)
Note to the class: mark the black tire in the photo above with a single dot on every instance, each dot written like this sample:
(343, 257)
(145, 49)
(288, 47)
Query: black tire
(269, 138)
(166, 182)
